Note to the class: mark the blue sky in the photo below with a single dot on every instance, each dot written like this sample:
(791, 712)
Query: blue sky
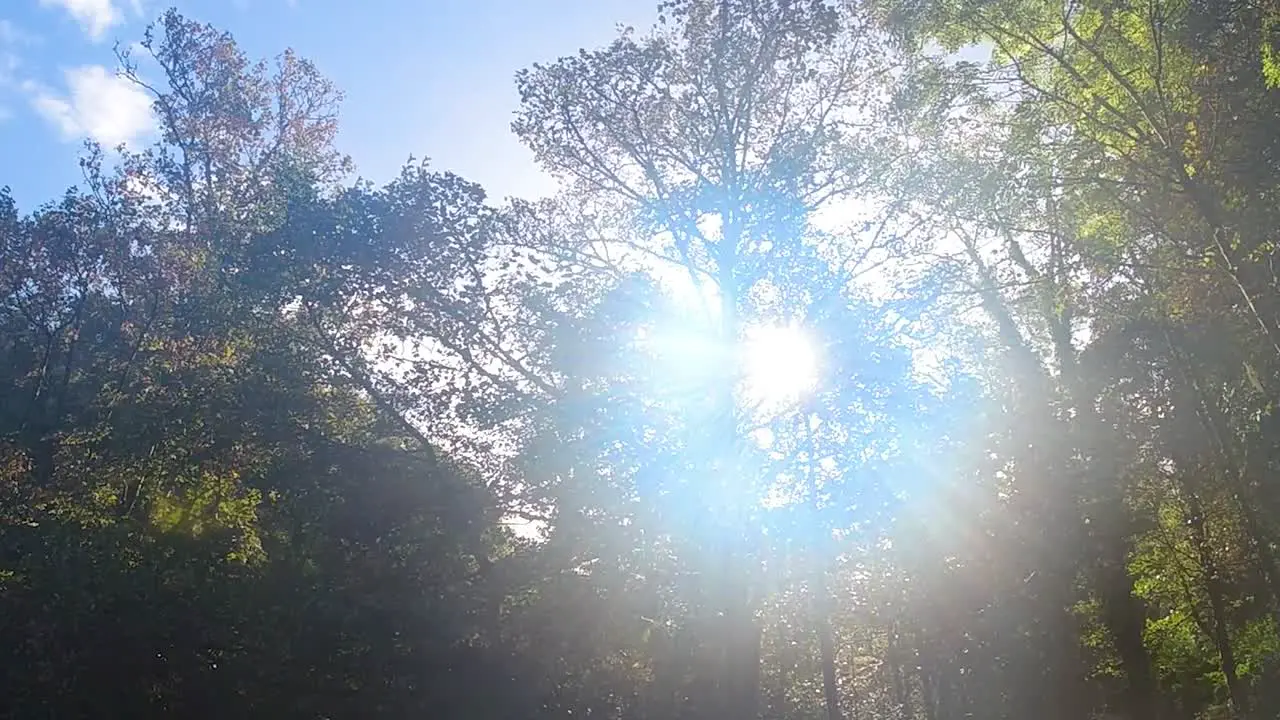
(430, 78)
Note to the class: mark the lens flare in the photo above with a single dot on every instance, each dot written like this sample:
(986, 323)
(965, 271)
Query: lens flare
(780, 365)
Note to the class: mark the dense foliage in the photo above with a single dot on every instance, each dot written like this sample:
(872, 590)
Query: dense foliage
(278, 444)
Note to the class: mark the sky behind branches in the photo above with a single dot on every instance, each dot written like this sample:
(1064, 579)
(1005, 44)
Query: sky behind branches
(431, 77)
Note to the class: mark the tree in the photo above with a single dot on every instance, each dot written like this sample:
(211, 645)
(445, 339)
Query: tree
(278, 444)
(707, 149)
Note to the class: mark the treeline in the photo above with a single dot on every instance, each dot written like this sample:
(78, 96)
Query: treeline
(278, 444)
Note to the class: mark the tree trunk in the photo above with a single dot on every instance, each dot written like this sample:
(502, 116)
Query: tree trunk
(901, 693)
(742, 689)
(738, 691)
(1125, 618)
(928, 692)
(826, 644)
(1220, 631)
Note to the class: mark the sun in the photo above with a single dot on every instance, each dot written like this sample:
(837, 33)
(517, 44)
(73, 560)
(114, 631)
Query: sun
(780, 365)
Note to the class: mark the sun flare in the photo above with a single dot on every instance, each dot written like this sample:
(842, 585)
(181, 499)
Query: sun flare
(780, 364)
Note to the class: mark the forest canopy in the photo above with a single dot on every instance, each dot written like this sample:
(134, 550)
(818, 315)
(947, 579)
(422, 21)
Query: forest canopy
(873, 360)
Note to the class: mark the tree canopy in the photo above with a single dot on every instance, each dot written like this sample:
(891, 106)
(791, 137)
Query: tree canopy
(874, 360)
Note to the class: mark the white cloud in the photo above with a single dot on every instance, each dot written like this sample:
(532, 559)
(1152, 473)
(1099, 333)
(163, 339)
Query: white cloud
(101, 105)
(94, 16)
